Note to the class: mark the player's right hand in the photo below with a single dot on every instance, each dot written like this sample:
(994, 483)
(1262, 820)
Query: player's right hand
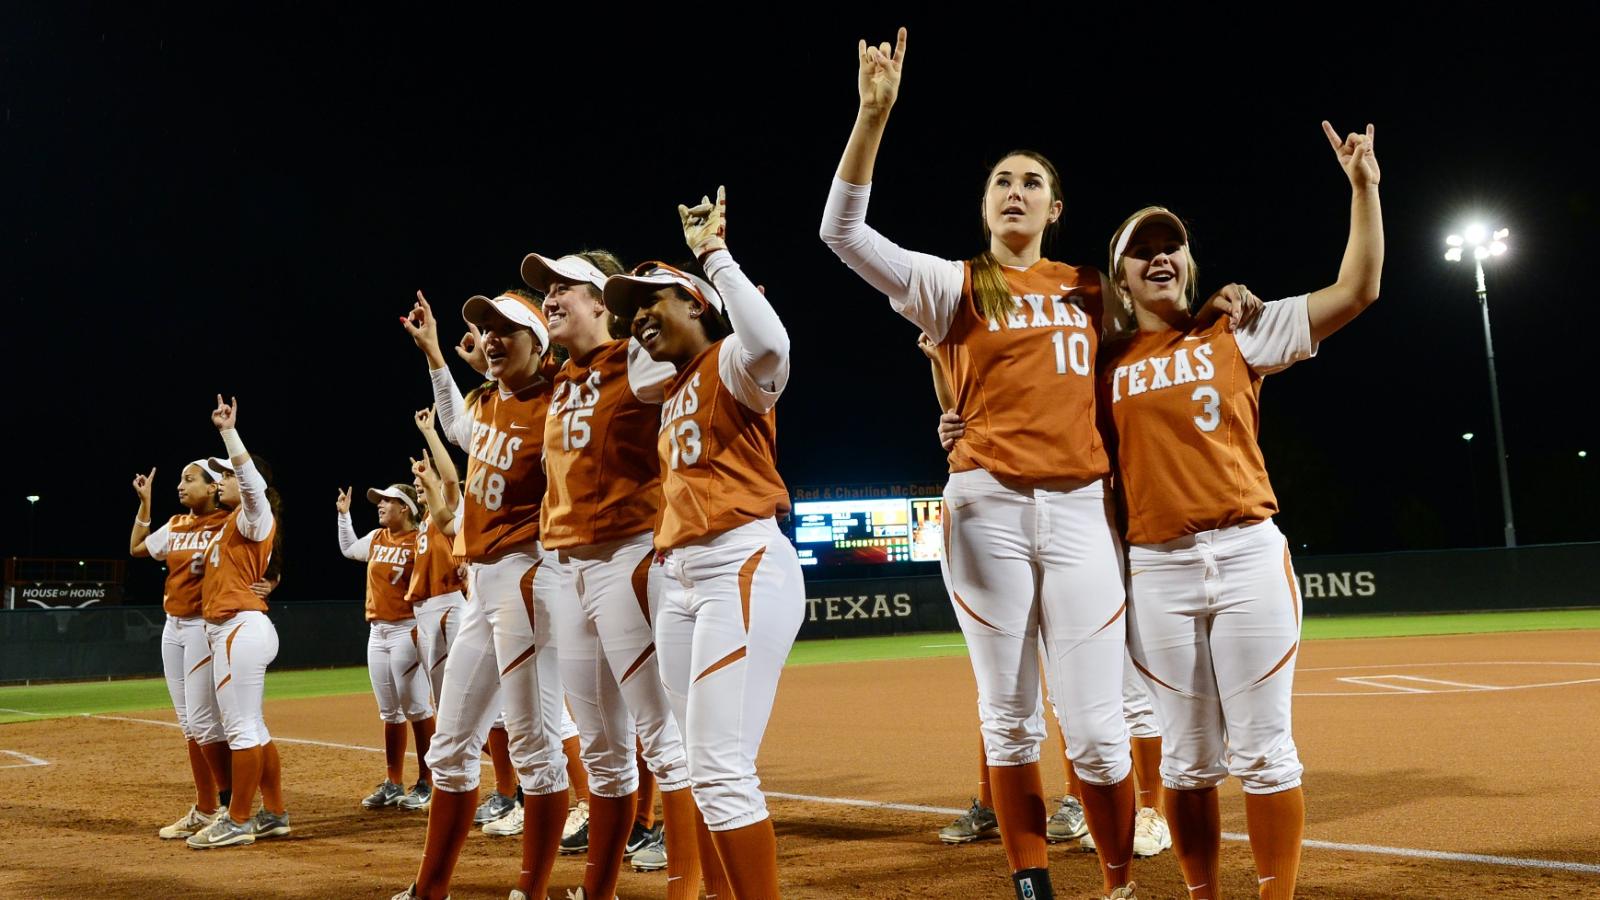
(421, 325)
(424, 418)
(927, 346)
(878, 75)
(343, 503)
(470, 349)
(951, 428)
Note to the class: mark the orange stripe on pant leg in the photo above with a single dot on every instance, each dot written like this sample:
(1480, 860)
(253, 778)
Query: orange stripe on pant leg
(747, 575)
(1288, 574)
(527, 604)
(641, 584)
(1146, 672)
(228, 654)
(1111, 621)
(648, 651)
(723, 663)
(444, 620)
(1281, 663)
(963, 604)
(199, 665)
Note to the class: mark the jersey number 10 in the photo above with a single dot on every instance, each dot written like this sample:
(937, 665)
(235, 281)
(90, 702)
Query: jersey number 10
(1071, 350)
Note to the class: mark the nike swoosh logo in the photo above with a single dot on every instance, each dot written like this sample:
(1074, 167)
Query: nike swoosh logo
(1114, 868)
(1070, 287)
(516, 427)
(1191, 338)
(1194, 887)
(1266, 879)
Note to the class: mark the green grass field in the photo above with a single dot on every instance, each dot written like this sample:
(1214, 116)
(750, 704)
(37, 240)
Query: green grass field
(23, 704)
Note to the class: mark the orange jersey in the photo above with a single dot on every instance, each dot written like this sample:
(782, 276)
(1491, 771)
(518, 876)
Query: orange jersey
(390, 561)
(719, 456)
(233, 563)
(1185, 406)
(605, 484)
(505, 474)
(1025, 388)
(435, 572)
(182, 544)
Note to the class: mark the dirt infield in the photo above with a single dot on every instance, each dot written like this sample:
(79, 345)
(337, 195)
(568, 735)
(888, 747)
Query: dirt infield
(1455, 746)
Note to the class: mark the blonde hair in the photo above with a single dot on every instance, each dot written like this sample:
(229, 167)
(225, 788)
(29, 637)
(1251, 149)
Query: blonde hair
(1120, 303)
(990, 290)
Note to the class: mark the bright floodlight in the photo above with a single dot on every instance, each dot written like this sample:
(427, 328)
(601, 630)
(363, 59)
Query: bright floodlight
(1583, 454)
(1453, 240)
(1476, 234)
(1502, 234)
(1498, 248)
(1467, 436)
(1453, 254)
(1480, 252)
(33, 498)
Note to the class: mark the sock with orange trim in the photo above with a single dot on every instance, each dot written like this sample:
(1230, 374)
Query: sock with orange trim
(271, 779)
(718, 886)
(246, 779)
(610, 822)
(1019, 807)
(1277, 823)
(645, 812)
(577, 775)
(218, 757)
(1147, 771)
(394, 751)
(985, 795)
(422, 730)
(750, 856)
(1109, 811)
(449, 823)
(679, 816)
(1196, 838)
(544, 815)
(205, 785)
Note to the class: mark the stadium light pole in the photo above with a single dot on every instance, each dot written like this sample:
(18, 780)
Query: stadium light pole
(1484, 246)
(33, 500)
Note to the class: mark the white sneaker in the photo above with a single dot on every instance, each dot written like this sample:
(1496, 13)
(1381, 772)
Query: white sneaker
(193, 822)
(1086, 843)
(1150, 833)
(1126, 892)
(506, 826)
(577, 817)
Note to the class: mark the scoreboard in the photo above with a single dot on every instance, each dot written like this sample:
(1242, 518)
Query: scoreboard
(868, 531)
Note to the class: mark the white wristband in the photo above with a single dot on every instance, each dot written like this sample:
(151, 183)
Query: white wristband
(235, 446)
(140, 522)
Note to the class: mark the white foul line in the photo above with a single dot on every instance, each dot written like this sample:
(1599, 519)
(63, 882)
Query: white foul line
(27, 761)
(1443, 856)
(1373, 682)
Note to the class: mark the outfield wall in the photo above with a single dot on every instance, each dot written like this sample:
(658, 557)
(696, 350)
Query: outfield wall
(37, 644)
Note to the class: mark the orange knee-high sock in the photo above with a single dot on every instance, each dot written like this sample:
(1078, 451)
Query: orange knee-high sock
(217, 757)
(577, 775)
(1147, 771)
(1109, 809)
(394, 751)
(750, 856)
(610, 821)
(205, 784)
(449, 823)
(645, 812)
(985, 795)
(271, 779)
(1196, 839)
(1019, 807)
(422, 730)
(718, 887)
(1276, 822)
(544, 815)
(678, 815)
(1074, 786)
(246, 779)
(505, 776)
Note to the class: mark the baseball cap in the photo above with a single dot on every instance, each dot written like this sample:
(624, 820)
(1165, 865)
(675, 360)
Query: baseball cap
(625, 293)
(405, 493)
(540, 271)
(520, 310)
(1145, 217)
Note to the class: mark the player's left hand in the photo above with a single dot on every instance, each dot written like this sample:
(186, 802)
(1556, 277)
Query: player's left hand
(264, 587)
(226, 415)
(951, 428)
(1234, 301)
(705, 227)
(1356, 155)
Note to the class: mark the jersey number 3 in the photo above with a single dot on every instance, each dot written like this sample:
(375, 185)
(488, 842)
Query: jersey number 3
(1211, 406)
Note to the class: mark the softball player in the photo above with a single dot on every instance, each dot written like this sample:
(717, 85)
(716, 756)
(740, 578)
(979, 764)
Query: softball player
(242, 638)
(1214, 615)
(504, 653)
(723, 634)
(394, 658)
(185, 653)
(603, 499)
(1029, 545)
(435, 591)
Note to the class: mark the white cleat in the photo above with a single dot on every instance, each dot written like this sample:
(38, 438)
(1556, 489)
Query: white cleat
(506, 826)
(1126, 892)
(193, 822)
(1150, 833)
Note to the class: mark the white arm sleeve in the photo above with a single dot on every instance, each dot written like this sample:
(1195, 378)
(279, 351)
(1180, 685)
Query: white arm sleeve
(646, 377)
(923, 288)
(451, 407)
(763, 341)
(255, 518)
(357, 550)
(157, 542)
(1279, 337)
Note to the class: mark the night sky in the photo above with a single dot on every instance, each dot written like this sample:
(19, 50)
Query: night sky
(193, 205)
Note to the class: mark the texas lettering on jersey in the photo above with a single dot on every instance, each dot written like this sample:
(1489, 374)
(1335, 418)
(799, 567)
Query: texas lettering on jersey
(1186, 365)
(495, 447)
(190, 540)
(389, 555)
(1033, 312)
(573, 403)
(682, 432)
